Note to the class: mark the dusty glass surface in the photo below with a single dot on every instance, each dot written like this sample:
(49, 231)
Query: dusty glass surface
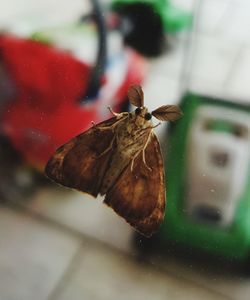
(61, 65)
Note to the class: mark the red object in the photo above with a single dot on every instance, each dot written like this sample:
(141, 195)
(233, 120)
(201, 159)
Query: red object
(49, 82)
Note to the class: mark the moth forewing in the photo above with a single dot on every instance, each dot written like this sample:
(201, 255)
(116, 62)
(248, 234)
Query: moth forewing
(82, 162)
(139, 195)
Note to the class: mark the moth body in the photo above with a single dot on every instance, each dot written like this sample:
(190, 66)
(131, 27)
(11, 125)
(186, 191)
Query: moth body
(131, 136)
(121, 159)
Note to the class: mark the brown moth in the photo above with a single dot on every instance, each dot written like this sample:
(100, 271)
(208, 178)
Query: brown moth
(121, 159)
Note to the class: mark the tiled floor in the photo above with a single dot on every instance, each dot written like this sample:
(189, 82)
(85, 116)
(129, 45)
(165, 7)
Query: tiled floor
(33, 256)
(63, 245)
(118, 276)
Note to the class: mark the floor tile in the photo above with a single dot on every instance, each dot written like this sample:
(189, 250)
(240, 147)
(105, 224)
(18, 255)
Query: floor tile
(102, 274)
(84, 214)
(33, 256)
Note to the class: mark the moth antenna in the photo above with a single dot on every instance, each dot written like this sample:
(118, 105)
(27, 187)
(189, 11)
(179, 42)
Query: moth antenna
(143, 152)
(135, 95)
(167, 113)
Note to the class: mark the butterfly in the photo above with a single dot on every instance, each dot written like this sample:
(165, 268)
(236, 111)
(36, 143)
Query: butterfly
(121, 159)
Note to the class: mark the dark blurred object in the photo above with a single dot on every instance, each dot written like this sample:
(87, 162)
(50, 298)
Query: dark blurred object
(16, 180)
(146, 25)
(96, 76)
(142, 29)
(164, 252)
(7, 87)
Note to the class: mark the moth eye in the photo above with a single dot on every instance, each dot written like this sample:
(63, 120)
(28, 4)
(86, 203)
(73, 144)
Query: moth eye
(138, 110)
(148, 116)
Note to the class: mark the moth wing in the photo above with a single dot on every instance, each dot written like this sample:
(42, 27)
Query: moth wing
(139, 195)
(81, 163)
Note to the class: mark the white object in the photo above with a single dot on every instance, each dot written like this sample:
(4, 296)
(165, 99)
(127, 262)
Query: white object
(217, 164)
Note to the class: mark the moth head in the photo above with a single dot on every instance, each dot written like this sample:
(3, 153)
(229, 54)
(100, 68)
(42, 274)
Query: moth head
(143, 113)
(163, 113)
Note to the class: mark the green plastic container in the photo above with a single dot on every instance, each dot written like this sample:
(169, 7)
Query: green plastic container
(231, 241)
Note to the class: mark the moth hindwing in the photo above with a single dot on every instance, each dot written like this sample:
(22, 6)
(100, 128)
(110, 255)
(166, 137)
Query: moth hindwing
(121, 159)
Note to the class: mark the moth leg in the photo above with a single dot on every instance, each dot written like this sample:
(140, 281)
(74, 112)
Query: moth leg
(143, 153)
(110, 126)
(144, 160)
(133, 159)
(143, 150)
(152, 127)
(109, 147)
(132, 164)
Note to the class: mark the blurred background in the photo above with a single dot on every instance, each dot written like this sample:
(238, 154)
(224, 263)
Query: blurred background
(61, 64)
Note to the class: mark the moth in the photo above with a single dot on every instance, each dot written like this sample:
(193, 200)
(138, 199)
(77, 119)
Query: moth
(121, 159)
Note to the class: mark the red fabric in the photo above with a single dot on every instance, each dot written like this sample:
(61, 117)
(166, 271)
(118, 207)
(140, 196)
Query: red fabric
(43, 75)
(45, 112)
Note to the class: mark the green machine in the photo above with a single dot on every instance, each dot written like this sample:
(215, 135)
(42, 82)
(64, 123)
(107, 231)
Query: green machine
(207, 153)
(147, 24)
(208, 177)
